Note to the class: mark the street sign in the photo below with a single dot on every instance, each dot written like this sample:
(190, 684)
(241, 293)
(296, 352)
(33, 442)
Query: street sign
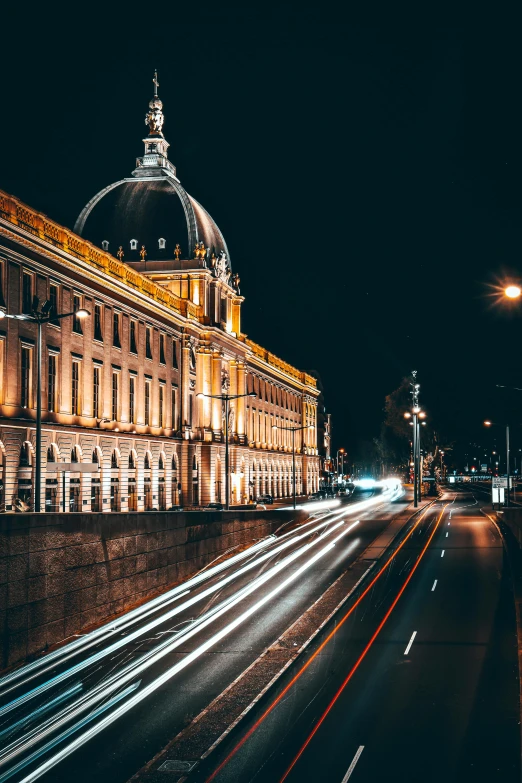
(497, 495)
(428, 478)
(499, 481)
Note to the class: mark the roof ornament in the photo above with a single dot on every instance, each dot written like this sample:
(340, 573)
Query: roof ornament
(177, 252)
(143, 253)
(120, 253)
(154, 117)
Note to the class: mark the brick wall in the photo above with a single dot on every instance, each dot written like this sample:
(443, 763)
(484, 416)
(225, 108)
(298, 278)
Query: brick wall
(62, 573)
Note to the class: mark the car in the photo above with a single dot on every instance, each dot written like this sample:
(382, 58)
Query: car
(265, 499)
(317, 495)
(215, 506)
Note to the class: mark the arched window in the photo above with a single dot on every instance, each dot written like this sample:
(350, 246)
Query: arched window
(162, 243)
(114, 459)
(192, 359)
(161, 463)
(174, 463)
(95, 456)
(132, 463)
(194, 463)
(25, 456)
(146, 462)
(105, 245)
(50, 454)
(134, 244)
(74, 454)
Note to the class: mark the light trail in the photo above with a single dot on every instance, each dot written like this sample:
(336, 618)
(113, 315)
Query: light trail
(138, 667)
(161, 680)
(364, 652)
(310, 660)
(352, 765)
(434, 585)
(442, 553)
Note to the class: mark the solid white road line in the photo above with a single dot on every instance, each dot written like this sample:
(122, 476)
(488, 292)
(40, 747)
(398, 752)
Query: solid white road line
(434, 585)
(406, 651)
(442, 553)
(447, 534)
(352, 765)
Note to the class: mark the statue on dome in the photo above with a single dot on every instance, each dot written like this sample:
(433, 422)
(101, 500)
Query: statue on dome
(236, 281)
(143, 253)
(222, 269)
(154, 117)
(120, 253)
(177, 252)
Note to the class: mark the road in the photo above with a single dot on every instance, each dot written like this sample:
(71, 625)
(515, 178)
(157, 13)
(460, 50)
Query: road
(415, 681)
(103, 706)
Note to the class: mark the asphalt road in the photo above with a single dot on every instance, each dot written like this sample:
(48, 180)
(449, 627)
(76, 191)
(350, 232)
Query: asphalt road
(418, 683)
(121, 696)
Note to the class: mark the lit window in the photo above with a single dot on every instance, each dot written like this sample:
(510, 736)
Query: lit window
(134, 244)
(77, 305)
(96, 392)
(161, 405)
(132, 398)
(147, 403)
(162, 243)
(75, 389)
(115, 396)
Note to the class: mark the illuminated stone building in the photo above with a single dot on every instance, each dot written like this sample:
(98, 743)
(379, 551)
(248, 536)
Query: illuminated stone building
(121, 387)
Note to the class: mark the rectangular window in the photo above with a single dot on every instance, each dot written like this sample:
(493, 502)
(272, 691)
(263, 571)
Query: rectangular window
(148, 342)
(98, 316)
(133, 347)
(174, 408)
(162, 348)
(191, 406)
(75, 389)
(116, 330)
(174, 355)
(52, 386)
(27, 293)
(132, 399)
(115, 395)
(96, 392)
(26, 372)
(2, 377)
(54, 294)
(2, 283)
(161, 405)
(147, 403)
(77, 305)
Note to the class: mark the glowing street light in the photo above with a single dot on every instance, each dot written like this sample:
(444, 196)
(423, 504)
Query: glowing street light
(512, 291)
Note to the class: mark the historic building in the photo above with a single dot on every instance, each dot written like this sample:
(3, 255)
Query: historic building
(128, 387)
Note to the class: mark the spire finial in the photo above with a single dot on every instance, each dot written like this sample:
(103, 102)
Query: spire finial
(156, 84)
(154, 117)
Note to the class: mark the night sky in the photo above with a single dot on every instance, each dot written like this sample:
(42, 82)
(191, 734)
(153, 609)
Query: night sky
(364, 167)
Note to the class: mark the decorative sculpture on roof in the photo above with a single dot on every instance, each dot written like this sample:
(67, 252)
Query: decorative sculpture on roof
(154, 117)
(120, 253)
(200, 251)
(143, 253)
(236, 281)
(225, 381)
(177, 252)
(222, 268)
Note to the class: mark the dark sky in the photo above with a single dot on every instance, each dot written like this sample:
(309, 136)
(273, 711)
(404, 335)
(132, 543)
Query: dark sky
(364, 166)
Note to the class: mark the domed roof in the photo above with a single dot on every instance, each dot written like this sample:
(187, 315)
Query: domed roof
(151, 209)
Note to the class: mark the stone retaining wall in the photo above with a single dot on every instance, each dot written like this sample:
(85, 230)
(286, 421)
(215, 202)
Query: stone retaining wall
(60, 573)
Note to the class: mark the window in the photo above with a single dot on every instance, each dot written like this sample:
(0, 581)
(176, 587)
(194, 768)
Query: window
(132, 461)
(191, 405)
(223, 312)
(132, 399)
(162, 243)
(134, 244)
(114, 460)
(27, 292)
(95, 456)
(2, 283)
(98, 316)
(115, 395)
(50, 454)
(54, 298)
(74, 454)
(146, 461)
(148, 342)
(105, 245)
(77, 305)
(96, 391)
(174, 408)
(147, 402)
(161, 405)
(52, 385)
(26, 379)
(174, 355)
(116, 330)
(133, 348)
(162, 348)
(75, 389)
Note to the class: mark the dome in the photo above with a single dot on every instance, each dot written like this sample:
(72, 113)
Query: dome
(150, 216)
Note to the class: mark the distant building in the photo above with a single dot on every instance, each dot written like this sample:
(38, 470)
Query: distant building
(121, 388)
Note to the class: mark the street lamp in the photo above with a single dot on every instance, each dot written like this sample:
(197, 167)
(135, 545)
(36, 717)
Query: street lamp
(416, 414)
(226, 399)
(293, 430)
(512, 291)
(39, 317)
(342, 453)
(488, 423)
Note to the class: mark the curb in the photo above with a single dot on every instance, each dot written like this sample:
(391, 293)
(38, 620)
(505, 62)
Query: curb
(149, 775)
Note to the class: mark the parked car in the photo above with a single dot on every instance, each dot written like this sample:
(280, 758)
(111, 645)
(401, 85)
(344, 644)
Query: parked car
(265, 499)
(215, 506)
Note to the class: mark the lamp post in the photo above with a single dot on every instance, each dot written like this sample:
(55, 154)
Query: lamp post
(40, 317)
(226, 399)
(416, 414)
(492, 424)
(293, 430)
(342, 453)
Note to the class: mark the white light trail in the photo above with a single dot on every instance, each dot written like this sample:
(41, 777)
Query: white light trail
(352, 765)
(442, 553)
(406, 651)
(162, 679)
(434, 585)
